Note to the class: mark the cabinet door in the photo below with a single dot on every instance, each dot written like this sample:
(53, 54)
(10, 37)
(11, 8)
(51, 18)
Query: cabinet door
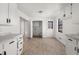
(12, 13)
(68, 11)
(71, 47)
(20, 45)
(3, 13)
(11, 47)
(75, 13)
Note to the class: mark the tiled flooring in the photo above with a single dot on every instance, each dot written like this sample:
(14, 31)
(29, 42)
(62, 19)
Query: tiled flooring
(43, 46)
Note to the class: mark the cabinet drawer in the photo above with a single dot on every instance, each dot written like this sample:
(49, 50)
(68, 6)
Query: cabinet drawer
(20, 38)
(20, 45)
(71, 46)
(71, 41)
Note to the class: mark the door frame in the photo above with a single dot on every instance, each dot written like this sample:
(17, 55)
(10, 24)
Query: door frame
(41, 27)
(23, 19)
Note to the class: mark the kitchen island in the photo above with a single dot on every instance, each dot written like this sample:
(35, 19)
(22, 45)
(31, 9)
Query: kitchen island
(72, 44)
(11, 44)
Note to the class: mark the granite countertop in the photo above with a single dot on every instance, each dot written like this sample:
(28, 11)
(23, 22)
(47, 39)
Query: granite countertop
(74, 36)
(7, 37)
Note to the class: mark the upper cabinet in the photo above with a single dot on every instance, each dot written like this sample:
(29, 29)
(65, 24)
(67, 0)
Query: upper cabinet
(75, 13)
(13, 13)
(3, 13)
(71, 12)
(68, 11)
(8, 13)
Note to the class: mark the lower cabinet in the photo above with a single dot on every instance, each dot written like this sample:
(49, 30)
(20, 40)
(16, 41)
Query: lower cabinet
(13, 46)
(1, 49)
(10, 47)
(20, 45)
(71, 47)
(78, 47)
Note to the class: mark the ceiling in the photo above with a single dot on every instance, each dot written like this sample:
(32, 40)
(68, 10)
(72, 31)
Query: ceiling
(39, 9)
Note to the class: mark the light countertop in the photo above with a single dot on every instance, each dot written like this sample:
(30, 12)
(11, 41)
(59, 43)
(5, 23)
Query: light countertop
(7, 37)
(74, 36)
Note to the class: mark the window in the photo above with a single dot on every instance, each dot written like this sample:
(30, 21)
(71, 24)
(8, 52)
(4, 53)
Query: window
(60, 25)
(50, 24)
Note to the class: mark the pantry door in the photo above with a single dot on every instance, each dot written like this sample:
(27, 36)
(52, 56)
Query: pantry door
(37, 29)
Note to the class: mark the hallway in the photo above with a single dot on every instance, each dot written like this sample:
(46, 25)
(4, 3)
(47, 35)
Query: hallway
(44, 46)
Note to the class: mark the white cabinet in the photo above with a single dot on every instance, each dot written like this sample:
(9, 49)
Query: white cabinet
(61, 38)
(10, 47)
(71, 12)
(12, 13)
(8, 13)
(75, 13)
(1, 49)
(68, 11)
(71, 47)
(20, 45)
(3, 13)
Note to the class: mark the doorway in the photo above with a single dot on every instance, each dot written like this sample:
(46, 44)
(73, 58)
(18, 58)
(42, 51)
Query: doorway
(37, 29)
(24, 27)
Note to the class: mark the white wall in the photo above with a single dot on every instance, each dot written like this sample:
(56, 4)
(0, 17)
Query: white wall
(47, 32)
(27, 29)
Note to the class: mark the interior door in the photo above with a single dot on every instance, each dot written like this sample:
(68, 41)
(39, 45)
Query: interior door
(37, 28)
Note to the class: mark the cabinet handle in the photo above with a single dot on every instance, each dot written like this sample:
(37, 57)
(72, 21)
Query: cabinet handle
(69, 39)
(75, 48)
(17, 45)
(7, 20)
(11, 42)
(20, 42)
(20, 49)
